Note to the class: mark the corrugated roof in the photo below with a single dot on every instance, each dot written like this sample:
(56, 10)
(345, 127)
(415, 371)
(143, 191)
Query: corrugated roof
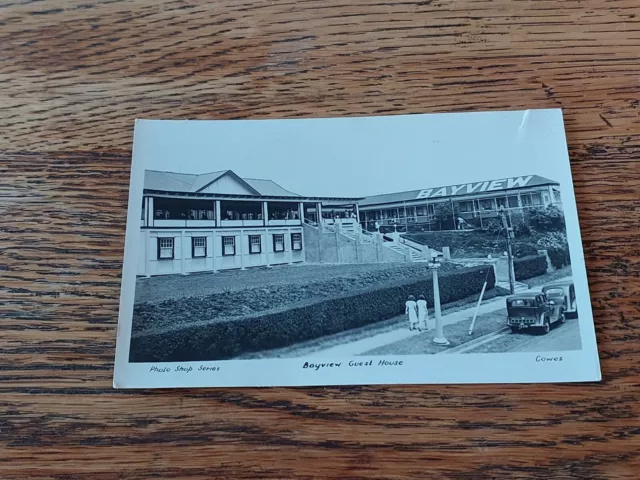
(184, 182)
(205, 179)
(168, 181)
(502, 184)
(268, 187)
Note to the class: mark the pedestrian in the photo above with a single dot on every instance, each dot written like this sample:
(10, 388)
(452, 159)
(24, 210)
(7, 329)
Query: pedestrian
(423, 313)
(411, 309)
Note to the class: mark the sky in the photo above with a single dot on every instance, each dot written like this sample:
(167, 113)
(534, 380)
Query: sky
(362, 156)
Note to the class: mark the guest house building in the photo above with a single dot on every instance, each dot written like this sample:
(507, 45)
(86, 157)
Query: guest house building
(468, 205)
(217, 221)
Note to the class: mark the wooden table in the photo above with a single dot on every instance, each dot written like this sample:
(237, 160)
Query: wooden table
(74, 75)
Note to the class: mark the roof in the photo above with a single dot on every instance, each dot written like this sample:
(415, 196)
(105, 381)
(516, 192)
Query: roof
(503, 184)
(190, 183)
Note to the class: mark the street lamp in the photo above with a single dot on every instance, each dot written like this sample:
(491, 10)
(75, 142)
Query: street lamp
(439, 339)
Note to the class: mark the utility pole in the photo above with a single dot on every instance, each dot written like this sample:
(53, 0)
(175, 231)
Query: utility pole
(508, 233)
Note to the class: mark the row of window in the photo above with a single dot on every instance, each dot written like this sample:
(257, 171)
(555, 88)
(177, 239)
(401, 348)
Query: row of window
(166, 245)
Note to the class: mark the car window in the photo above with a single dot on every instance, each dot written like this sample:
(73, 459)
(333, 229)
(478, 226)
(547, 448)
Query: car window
(520, 303)
(554, 291)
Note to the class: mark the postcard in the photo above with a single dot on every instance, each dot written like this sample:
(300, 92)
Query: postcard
(407, 249)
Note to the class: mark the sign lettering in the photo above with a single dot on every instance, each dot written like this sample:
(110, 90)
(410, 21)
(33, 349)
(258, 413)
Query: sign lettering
(468, 188)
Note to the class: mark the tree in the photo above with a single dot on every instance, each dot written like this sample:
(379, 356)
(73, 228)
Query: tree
(546, 219)
(443, 214)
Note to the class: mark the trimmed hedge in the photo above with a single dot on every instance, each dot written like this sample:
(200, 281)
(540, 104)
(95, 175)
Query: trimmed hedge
(559, 257)
(531, 266)
(224, 339)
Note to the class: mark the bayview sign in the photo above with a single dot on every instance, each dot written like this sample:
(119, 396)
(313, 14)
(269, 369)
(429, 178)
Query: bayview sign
(467, 188)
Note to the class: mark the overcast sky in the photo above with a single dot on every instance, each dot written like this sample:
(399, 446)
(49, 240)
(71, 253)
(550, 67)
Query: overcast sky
(363, 156)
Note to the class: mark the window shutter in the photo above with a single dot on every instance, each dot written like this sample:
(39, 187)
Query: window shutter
(158, 245)
(193, 246)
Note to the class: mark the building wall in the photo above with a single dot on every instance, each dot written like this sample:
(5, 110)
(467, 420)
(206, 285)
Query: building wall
(183, 261)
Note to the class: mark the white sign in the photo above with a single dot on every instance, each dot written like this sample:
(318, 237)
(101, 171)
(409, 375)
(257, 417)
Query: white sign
(467, 188)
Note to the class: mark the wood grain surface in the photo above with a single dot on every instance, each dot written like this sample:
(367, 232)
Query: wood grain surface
(75, 74)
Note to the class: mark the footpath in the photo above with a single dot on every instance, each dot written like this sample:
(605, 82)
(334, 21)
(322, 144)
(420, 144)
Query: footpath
(364, 345)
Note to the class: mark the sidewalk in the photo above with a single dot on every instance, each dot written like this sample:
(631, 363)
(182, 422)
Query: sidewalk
(401, 333)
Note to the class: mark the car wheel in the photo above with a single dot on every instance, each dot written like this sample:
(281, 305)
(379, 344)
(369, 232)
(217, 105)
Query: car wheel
(562, 318)
(514, 329)
(546, 326)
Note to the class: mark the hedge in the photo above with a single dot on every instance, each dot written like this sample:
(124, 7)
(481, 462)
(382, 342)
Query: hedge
(559, 257)
(224, 339)
(531, 266)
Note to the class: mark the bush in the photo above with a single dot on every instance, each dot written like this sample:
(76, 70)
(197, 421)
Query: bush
(531, 266)
(225, 339)
(557, 246)
(493, 226)
(546, 219)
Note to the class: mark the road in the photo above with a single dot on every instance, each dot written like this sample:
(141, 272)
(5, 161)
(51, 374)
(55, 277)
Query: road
(561, 337)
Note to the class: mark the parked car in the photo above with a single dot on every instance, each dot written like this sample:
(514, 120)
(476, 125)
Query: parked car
(563, 292)
(533, 310)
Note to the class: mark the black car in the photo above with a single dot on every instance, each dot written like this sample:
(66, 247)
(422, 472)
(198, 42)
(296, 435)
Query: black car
(533, 310)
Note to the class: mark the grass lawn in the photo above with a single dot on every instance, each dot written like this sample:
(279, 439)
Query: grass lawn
(456, 333)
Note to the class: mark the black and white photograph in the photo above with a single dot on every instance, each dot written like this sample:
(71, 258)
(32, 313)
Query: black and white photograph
(402, 249)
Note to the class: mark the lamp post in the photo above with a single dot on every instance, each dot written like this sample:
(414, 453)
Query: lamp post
(439, 339)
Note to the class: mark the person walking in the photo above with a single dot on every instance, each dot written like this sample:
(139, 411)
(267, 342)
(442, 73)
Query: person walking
(411, 309)
(423, 313)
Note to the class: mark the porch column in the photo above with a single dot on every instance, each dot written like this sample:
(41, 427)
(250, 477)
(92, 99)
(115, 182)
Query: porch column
(147, 247)
(358, 213)
(183, 252)
(240, 248)
(214, 249)
(152, 213)
(265, 213)
(319, 215)
(266, 247)
(301, 212)
(218, 216)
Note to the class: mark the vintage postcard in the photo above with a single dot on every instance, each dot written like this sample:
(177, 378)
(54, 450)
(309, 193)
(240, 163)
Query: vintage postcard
(436, 248)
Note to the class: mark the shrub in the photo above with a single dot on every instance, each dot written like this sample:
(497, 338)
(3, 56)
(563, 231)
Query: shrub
(219, 340)
(493, 226)
(531, 266)
(546, 219)
(556, 245)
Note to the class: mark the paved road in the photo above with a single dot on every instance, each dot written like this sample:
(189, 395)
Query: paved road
(561, 337)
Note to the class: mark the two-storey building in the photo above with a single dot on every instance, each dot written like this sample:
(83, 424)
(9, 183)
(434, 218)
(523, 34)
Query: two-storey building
(218, 221)
(475, 203)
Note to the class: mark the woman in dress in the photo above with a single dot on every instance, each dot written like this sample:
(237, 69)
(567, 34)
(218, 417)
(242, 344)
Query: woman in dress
(411, 309)
(423, 313)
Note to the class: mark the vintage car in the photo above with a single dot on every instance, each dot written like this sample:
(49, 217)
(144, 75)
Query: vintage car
(533, 310)
(563, 292)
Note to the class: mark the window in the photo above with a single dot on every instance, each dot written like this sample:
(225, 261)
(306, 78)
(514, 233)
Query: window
(165, 248)
(556, 196)
(513, 201)
(255, 245)
(296, 241)
(228, 246)
(201, 210)
(283, 211)
(536, 199)
(486, 204)
(240, 210)
(278, 242)
(142, 216)
(199, 247)
(464, 207)
(526, 199)
(169, 209)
